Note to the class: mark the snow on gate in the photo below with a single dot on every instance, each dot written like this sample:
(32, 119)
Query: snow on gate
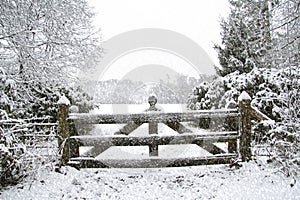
(234, 140)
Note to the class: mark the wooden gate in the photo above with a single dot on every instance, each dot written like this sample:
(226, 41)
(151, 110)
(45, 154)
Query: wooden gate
(236, 135)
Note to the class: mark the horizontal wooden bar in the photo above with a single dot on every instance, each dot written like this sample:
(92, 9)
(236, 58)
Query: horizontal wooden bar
(147, 117)
(151, 162)
(155, 139)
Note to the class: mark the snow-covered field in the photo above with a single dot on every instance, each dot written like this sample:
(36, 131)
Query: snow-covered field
(136, 108)
(254, 180)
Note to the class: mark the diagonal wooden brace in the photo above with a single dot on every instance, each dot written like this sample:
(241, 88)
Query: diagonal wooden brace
(128, 128)
(178, 127)
(209, 146)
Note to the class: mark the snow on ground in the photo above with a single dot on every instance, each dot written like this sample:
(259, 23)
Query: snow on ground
(254, 180)
(251, 181)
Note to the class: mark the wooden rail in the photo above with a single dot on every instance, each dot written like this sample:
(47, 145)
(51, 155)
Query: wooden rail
(70, 141)
(151, 162)
(147, 117)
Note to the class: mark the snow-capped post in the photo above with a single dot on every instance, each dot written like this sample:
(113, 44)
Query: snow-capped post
(245, 139)
(63, 128)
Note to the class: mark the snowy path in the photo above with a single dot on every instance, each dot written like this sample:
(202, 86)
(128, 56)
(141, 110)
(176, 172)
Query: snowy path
(202, 182)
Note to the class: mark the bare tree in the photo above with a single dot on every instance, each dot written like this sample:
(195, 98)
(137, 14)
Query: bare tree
(45, 39)
(43, 43)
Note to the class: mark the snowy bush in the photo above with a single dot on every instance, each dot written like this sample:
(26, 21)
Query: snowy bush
(38, 63)
(265, 86)
(26, 99)
(275, 92)
(20, 155)
(22, 105)
(11, 168)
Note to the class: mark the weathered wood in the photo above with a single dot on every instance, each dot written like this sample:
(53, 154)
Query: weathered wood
(209, 146)
(231, 124)
(63, 132)
(257, 115)
(98, 149)
(237, 125)
(153, 149)
(232, 146)
(159, 139)
(152, 162)
(102, 143)
(128, 128)
(178, 127)
(74, 144)
(245, 129)
(153, 130)
(151, 117)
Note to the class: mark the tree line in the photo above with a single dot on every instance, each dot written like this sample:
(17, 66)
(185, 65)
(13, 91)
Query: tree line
(136, 92)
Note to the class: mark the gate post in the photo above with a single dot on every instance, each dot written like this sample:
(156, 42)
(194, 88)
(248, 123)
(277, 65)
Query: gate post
(63, 129)
(153, 126)
(245, 126)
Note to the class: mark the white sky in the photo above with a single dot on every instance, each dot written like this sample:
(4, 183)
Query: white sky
(196, 19)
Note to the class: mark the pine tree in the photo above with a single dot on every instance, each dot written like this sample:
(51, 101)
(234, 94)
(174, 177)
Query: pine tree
(245, 36)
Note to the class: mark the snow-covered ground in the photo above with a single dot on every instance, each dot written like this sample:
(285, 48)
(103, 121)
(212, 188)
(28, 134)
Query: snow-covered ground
(254, 180)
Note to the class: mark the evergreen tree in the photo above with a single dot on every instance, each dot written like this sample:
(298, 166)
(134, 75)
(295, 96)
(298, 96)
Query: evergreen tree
(263, 35)
(245, 37)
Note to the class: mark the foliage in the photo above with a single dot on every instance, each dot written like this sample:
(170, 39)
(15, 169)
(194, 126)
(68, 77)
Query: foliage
(43, 44)
(245, 37)
(18, 155)
(11, 170)
(38, 99)
(260, 54)
(266, 86)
